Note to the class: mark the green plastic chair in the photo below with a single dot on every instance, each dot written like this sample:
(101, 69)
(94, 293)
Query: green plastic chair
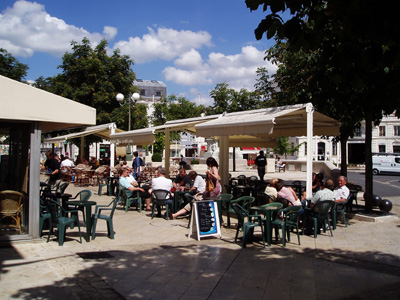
(290, 219)
(44, 215)
(340, 208)
(82, 196)
(161, 198)
(323, 208)
(102, 183)
(128, 200)
(60, 220)
(247, 227)
(244, 202)
(108, 218)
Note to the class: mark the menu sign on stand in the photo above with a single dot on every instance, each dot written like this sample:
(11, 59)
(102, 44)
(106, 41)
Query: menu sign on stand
(205, 218)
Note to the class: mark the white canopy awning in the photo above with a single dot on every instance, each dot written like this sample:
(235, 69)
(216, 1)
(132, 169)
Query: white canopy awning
(103, 131)
(251, 127)
(22, 102)
(143, 136)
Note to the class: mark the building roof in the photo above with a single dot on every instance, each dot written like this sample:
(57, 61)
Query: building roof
(149, 83)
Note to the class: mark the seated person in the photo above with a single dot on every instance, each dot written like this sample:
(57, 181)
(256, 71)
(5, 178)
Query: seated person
(131, 187)
(271, 190)
(317, 183)
(181, 180)
(342, 192)
(279, 164)
(161, 183)
(322, 195)
(287, 193)
(199, 184)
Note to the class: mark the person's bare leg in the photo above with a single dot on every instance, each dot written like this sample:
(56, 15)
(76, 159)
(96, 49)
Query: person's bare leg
(148, 201)
(179, 213)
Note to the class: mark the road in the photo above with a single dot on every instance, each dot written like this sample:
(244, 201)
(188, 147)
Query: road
(384, 185)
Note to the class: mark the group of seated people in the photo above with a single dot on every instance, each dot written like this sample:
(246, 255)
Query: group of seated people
(322, 191)
(192, 184)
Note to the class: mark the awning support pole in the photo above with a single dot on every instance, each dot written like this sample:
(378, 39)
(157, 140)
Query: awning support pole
(167, 153)
(224, 161)
(112, 149)
(310, 115)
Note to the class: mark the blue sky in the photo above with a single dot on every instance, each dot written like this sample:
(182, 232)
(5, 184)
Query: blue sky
(190, 45)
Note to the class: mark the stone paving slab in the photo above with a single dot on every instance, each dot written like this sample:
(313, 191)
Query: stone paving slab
(154, 259)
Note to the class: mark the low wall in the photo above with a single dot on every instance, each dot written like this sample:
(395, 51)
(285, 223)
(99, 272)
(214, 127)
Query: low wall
(326, 167)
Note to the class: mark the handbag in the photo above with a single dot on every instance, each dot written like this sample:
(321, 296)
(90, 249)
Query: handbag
(209, 184)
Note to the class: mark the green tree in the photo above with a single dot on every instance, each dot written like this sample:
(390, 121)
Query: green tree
(10, 66)
(284, 147)
(357, 71)
(91, 77)
(230, 100)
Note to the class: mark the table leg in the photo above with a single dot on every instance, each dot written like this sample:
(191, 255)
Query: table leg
(268, 228)
(88, 212)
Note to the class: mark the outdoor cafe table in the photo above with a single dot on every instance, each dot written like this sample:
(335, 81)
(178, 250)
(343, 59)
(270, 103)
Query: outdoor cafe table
(87, 205)
(266, 210)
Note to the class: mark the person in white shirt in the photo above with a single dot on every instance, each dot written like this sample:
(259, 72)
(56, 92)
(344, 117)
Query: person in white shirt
(342, 192)
(67, 162)
(161, 183)
(199, 187)
(199, 184)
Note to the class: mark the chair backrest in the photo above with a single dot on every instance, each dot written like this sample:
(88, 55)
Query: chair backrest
(113, 205)
(225, 197)
(84, 195)
(292, 213)
(228, 188)
(61, 189)
(10, 202)
(240, 213)
(285, 202)
(241, 180)
(245, 201)
(55, 209)
(160, 195)
(323, 208)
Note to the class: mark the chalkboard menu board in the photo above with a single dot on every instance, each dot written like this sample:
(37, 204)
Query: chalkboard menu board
(205, 214)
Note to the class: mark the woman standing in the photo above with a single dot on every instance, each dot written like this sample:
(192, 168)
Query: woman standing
(213, 186)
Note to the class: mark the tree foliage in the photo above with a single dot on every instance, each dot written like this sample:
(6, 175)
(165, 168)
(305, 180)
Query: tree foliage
(10, 66)
(356, 60)
(229, 100)
(91, 77)
(169, 109)
(284, 147)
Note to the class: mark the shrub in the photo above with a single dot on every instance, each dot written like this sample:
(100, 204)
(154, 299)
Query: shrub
(157, 157)
(195, 162)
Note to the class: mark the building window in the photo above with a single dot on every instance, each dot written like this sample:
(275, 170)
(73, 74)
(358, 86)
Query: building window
(396, 149)
(334, 148)
(142, 92)
(396, 130)
(158, 93)
(305, 148)
(357, 131)
(382, 148)
(382, 131)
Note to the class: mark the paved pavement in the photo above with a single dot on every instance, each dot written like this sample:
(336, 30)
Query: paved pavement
(155, 259)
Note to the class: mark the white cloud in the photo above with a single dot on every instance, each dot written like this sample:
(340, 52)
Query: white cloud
(239, 70)
(163, 43)
(110, 32)
(26, 27)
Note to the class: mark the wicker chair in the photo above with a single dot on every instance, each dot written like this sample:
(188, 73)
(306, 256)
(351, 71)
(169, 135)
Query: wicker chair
(11, 204)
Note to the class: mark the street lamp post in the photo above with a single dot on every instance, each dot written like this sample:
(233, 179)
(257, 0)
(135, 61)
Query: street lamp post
(131, 100)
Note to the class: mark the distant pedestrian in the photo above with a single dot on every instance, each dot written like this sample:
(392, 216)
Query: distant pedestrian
(261, 162)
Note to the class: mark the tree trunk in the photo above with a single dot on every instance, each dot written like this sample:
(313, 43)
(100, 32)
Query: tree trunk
(368, 164)
(343, 150)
